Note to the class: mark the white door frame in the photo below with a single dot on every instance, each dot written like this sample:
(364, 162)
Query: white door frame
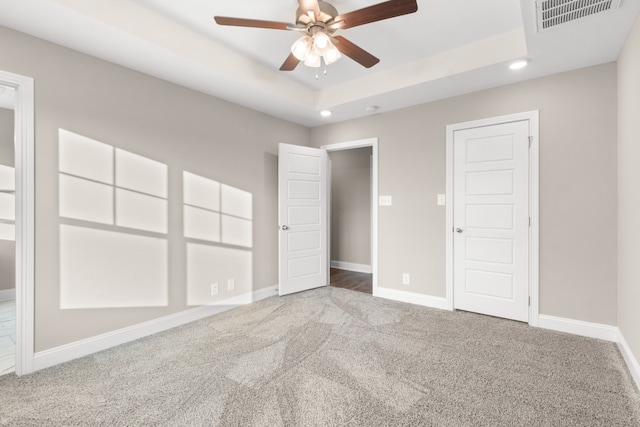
(533, 118)
(373, 143)
(25, 214)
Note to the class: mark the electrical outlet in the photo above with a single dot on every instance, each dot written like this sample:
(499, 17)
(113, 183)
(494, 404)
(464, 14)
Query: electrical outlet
(441, 199)
(406, 279)
(231, 284)
(214, 289)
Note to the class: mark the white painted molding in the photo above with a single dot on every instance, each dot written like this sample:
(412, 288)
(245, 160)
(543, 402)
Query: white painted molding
(412, 298)
(578, 327)
(7, 295)
(629, 358)
(67, 352)
(351, 266)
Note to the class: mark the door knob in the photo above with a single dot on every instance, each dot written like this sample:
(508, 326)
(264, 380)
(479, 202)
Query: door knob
(458, 230)
(284, 227)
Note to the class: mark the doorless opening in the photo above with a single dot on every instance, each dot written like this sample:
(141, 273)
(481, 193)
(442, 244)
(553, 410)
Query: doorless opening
(350, 219)
(353, 147)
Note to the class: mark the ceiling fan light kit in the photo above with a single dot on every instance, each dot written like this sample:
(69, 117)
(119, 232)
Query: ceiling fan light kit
(319, 20)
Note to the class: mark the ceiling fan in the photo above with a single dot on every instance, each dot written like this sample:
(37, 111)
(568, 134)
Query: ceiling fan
(318, 21)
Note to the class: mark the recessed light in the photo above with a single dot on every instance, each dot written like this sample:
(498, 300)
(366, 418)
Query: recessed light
(325, 113)
(518, 64)
(371, 108)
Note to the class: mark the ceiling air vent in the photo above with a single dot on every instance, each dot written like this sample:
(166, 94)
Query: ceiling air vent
(556, 12)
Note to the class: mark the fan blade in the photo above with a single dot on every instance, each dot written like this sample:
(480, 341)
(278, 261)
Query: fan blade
(377, 12)
(290, 63)
(241, 22)
(310, 5)
(355, 52)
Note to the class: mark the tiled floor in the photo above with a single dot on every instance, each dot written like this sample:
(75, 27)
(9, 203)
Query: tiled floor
(7, 337)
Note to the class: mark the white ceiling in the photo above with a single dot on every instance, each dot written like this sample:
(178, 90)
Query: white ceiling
(447, 48)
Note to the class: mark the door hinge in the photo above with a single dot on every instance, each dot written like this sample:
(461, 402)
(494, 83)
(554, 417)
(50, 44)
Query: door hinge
(529, 301)
(530, 141)
(529, 221)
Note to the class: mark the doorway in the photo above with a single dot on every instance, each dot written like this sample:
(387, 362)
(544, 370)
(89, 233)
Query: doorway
(350, 219)
(7, 233)
(303, 199)
(353, 227)
(492, 217)
(24, 162)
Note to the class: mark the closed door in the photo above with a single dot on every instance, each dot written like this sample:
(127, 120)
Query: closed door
(491, 220)
(302, 198)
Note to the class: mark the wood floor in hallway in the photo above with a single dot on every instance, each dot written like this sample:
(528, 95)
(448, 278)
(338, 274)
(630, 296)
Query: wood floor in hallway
(360, 282)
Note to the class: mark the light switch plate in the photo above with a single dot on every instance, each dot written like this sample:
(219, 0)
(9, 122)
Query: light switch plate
(385, 201)
(441, 199)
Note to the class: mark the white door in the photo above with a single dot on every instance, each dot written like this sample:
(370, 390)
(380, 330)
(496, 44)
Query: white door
(302, 207)
(491, 220)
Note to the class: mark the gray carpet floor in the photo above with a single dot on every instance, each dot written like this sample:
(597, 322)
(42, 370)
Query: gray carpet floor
(333, 357)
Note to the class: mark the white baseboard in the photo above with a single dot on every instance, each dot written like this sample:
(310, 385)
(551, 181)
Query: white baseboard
(578, 327)
(67, 352)
(411, 298)
(7, 295)
(351, 266)
(629, 358)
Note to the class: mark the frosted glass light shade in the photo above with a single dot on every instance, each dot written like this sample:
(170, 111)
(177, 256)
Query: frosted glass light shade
(321, 42)
(332, 55)
(312, 60)
(302, 47)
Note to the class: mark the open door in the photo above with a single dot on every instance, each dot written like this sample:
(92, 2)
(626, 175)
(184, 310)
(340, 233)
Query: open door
(302, 214)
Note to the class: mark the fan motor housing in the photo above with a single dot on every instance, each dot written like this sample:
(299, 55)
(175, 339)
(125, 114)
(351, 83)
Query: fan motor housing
(327, 13)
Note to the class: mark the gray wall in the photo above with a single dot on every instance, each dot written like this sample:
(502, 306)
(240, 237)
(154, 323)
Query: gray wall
(577, 186)
(7, 247)
(629, 190)
(351, 206)
(185, 130)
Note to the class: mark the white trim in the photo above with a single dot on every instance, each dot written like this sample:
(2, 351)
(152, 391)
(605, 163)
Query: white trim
(25, 214)
(579, 327)
(7, 295)
(67, 352)
(413, 298)
(351, 266)
(373, 143)
(629, 358)
(534, 232)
